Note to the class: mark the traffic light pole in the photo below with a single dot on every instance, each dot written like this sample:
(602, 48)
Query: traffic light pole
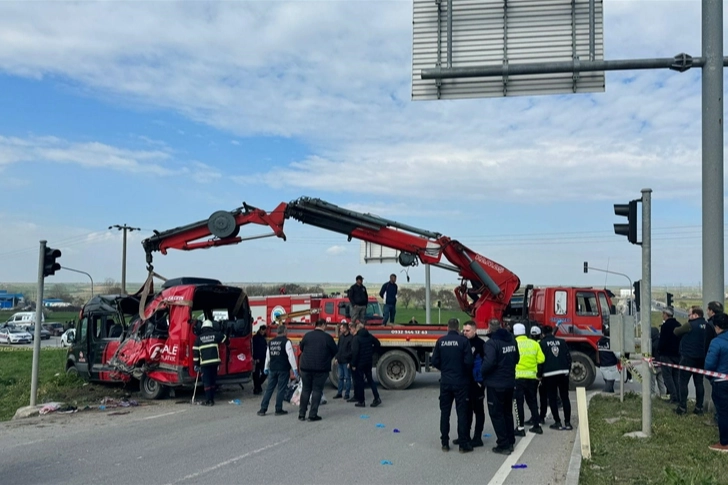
(37, 325)
(646, 313)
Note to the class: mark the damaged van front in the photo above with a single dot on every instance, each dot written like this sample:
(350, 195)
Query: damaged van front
(118, 339)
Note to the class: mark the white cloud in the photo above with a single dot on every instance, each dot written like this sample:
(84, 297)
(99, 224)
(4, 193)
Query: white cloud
(235, 142)
(86, 154)
(336, 250)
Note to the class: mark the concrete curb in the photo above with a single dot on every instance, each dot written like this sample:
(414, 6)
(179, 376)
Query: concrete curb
(572, 475)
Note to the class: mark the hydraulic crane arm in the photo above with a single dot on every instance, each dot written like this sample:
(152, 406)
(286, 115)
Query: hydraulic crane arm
(223, 225)
(491, 284)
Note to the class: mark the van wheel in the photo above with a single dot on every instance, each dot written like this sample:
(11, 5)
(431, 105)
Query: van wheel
(72, 371)
(152, 389)
(583, 371)
(396, 370)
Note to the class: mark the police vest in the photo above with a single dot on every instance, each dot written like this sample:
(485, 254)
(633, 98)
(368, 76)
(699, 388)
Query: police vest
(278, 355)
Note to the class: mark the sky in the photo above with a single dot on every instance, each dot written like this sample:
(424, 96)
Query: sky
(157, 114)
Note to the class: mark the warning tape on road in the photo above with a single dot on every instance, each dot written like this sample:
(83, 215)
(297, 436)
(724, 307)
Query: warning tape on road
(721, 377)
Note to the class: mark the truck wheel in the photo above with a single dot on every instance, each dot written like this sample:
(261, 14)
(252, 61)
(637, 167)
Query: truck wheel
(72, 371)
(152, 389)
(583, 370)
(396, 370)
(334, 375)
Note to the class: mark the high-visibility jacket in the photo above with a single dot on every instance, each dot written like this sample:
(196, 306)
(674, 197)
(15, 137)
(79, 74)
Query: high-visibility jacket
(205, 351)
(531, 356)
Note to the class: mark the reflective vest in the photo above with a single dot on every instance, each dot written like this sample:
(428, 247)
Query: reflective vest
(205, 351)
(530, 356)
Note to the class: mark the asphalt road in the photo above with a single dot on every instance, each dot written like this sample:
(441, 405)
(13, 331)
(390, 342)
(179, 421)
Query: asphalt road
(174, 442)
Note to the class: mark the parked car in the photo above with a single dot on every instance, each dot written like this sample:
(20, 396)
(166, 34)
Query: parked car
(68, 337)
(56, 329)
(44, 334)
(13, 336)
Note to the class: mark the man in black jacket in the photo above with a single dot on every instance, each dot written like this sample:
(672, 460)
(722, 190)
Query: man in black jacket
(669, 351)
(476, 389)
(206, 358)
(317, 350)
(343, 359)
(260, 348)
(692, 354)
(556, 369)
(499, 376)
(358, 300)
(389, 294)
(452, 355)
(363, 347)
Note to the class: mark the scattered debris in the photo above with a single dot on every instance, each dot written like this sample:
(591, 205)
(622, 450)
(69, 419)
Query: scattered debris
(235, 401)
(386, 462)
(380, 425)
(486, 435)
(364, 416)
(519, 465)
(119, 413)
(395, 430)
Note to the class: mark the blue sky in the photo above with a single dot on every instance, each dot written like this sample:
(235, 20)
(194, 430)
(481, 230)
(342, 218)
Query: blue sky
(157, 114)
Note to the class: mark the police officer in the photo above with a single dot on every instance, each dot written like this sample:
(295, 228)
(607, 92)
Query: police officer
(206, 357)
(476, 390)
(692, 354)
(527, 379)
(260, 349)
(500, 357)
(452, 355)
(556, 369)
(279, 361)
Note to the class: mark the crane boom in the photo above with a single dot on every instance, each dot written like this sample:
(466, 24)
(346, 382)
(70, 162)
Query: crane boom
(485, 290)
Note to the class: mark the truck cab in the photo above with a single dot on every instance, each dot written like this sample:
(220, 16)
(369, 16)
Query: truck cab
(579, 316)
(338, 310)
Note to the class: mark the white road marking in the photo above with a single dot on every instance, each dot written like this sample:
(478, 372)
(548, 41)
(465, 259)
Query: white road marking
(162, 415)
(500, 476)
(230, 461)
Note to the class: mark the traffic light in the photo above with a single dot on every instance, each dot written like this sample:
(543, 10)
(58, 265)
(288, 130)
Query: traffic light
(636, 285)
(669, 299)
(630, 212)
(586, 266)
(49, 261)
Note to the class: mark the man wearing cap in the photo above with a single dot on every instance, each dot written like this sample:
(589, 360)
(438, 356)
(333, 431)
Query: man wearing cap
(260, 348)
(526, 379)
(669, 351)
(358, 299)
(543, 404)
(206, 358)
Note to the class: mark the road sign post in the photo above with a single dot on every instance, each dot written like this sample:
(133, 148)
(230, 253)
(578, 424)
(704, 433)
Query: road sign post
(646, 314)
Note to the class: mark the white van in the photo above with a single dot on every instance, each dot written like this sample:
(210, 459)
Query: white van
(23, 319)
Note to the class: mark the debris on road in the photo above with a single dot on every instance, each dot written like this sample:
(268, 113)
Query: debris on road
(395, 430)
(380, 425)
(519, 465)
(386, 462)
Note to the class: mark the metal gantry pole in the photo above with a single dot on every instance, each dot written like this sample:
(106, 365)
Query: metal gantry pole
(37, 326)
(713, 196)
(428, 310)
(646, 310)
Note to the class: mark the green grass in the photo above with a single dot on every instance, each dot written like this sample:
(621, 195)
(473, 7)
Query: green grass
(53, 383)
(677, 452)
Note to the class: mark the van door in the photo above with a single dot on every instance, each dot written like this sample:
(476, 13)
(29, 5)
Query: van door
(105, 333)
(79, 348)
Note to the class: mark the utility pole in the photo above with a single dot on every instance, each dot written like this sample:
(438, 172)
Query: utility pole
(126, 229)
(646, 313)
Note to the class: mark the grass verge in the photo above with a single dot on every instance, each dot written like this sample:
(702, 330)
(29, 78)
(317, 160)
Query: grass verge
(676, 454)
(16, 366)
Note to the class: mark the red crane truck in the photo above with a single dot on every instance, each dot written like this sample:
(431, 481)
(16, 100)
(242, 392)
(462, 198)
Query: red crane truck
(486, 288)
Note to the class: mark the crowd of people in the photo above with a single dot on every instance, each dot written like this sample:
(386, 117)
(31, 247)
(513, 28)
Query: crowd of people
(506, 367)
(700, 344)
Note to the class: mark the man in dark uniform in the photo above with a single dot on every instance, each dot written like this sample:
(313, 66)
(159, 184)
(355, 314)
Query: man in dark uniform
(556, 369)
(499, 376)
(476, 390)
(452, 355)
(279, 361)
(543, 398)
(318, 348)
(358, 300)
(260, 349)
(669, 351)
(206, 357)
(363, 347)
(692, 354)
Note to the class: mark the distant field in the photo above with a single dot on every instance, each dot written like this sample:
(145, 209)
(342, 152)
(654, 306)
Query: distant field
(405, 314)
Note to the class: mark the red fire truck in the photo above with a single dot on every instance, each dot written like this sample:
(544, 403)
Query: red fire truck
(486, 290)
(266, 310)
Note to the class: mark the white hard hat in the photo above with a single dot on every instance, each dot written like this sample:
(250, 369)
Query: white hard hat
(519, 329)
(535, 330)
(207, 324)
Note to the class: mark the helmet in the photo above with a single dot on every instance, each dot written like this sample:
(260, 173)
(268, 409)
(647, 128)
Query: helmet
(207, 324)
